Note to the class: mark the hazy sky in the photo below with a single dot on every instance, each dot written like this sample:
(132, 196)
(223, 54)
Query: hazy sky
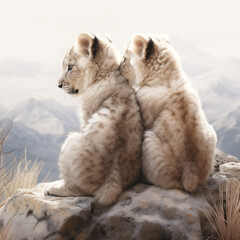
(39, 31)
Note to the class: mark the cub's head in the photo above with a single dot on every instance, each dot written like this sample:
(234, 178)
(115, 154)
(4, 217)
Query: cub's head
(86, 62)
(146, 57)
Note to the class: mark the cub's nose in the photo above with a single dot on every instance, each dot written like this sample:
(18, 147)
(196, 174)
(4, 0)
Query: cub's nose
(60, 85)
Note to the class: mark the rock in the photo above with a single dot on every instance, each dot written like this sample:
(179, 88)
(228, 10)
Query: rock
(232, 168)
(144, 212)
(44, 216)
(222, 158)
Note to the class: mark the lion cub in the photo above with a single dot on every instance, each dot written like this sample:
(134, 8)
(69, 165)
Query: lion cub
(104, 157)
(179, 144)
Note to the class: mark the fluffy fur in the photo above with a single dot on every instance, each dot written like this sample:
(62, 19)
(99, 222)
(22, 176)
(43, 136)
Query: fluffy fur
(179, 144)
(104, 157)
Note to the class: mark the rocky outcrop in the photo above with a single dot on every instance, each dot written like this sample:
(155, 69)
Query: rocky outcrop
(232, 168)
(222, 158)
(141, 213)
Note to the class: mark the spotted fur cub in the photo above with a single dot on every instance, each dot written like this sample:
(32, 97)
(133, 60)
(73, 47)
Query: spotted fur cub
(104, 157)
(179, 144)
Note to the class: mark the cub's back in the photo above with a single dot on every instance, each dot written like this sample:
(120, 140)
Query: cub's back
(128, 130)
(182, 121)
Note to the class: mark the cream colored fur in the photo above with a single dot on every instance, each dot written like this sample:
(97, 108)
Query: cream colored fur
(179, 144)
(104, 157)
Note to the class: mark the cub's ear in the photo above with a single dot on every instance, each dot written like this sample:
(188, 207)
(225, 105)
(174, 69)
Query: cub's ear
(86, 44)
(143, 46)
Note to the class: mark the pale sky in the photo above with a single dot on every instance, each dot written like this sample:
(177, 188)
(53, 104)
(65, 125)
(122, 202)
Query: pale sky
(36, 33)
(42, 29)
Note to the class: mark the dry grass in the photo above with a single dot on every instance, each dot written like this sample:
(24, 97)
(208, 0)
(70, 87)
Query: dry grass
(224, 215)
(21, 175)
(14, 174)
(4, 232)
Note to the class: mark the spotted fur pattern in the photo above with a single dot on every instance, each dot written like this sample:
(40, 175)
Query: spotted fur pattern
(179, 144)
(104, 157)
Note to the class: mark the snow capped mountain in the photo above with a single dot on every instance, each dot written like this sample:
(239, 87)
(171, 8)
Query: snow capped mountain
(40, 127)
(37, 117)
(47, 117)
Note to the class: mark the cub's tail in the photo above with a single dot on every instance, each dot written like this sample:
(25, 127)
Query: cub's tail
(111, 189)
(190, 179)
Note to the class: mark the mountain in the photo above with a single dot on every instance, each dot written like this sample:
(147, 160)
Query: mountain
(228, 131)
(40, 127)
(194, 61)
(219, 88)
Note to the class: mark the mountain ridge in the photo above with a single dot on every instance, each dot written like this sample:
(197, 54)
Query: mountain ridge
(44, 146)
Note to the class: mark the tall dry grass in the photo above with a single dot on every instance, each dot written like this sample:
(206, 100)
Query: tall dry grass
(224, 214)
(14, 174)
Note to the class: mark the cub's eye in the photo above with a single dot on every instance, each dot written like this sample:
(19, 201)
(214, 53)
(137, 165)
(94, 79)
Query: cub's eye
(70, 67)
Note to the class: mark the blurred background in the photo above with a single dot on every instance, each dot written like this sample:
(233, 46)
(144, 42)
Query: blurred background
(34, 36)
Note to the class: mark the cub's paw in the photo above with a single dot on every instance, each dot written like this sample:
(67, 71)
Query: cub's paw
(54, 188)
(58, 188)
